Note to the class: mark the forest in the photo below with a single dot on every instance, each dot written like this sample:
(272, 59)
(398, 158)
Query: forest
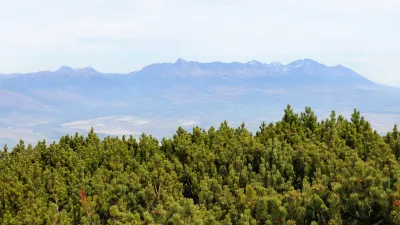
(299, 170)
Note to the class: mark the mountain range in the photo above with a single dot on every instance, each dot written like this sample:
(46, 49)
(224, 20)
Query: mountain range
(160, 97)
(299, 70)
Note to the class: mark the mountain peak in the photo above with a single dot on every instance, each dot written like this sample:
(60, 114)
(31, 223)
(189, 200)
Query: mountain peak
(304, 63)
(254, 62)
(275, 65)
(65, 69)
(307, 60)
(88, 69)
(180, 61)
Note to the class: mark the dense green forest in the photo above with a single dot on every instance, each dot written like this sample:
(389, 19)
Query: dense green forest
(296, 171)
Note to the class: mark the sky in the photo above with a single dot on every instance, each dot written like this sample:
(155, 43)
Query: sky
(123, 36)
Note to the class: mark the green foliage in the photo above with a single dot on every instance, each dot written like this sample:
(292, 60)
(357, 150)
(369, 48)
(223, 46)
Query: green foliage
(296, 171)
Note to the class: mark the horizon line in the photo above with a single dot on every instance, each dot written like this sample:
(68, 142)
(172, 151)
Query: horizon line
(176, 61)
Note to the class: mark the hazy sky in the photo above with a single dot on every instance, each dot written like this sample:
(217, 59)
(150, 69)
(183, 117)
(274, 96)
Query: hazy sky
(123, 35)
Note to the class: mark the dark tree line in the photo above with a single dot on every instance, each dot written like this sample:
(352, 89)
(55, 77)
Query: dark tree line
(295, 171)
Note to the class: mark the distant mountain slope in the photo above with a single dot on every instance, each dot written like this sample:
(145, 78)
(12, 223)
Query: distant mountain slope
(184, 92)
(299, 71)
(253, 74)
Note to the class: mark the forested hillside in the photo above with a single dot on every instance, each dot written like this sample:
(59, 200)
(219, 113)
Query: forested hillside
(297, 171)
